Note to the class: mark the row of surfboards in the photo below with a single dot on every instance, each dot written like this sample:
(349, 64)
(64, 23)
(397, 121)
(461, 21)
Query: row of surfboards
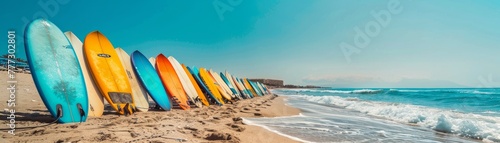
(73, 77)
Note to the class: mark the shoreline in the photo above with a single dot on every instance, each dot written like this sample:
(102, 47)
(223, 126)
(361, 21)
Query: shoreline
(207, 124)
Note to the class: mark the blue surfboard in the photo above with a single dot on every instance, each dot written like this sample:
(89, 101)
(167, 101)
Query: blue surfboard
(150, 80)
(56, 71)
(196, 74)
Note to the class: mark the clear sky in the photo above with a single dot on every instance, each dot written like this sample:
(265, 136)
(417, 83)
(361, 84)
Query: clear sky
(420, 43)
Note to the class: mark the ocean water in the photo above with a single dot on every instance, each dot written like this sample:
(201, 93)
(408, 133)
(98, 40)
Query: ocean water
(389, 115)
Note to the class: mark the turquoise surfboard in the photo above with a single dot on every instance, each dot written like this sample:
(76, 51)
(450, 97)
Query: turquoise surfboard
(196, 74)
(56, 71)
(150, 80)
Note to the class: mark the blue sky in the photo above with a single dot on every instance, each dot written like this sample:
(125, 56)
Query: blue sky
(427, 43)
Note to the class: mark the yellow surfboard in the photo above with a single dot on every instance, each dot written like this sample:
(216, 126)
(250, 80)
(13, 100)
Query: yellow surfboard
(108, 72)
(210, 83)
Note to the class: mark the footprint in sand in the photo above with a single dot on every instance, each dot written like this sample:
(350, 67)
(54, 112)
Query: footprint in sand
(216, 117)
(237, 128)
(190, 128)
(134, 134)
(210, 130)
(38, 132)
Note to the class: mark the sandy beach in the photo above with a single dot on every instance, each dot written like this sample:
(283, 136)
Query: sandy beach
(207, 124)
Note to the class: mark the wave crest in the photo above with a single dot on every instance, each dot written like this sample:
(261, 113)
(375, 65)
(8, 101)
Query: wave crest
(376, 91)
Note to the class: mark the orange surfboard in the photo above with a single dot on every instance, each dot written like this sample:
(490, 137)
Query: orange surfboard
(201, 96)
(108, 72)
(171, 81)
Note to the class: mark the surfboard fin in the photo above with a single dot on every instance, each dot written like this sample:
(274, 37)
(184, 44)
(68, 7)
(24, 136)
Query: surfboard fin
(127, 110)
(59, 111)
(82, 112)
(134, 109)
(119, 108)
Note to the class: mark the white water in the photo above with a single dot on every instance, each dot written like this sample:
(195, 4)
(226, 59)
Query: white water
(462, 124)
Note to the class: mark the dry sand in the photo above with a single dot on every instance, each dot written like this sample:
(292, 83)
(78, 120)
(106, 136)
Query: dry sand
(208, 124)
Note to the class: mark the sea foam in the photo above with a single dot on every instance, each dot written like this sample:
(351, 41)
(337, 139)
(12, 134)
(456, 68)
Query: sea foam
(486, 128)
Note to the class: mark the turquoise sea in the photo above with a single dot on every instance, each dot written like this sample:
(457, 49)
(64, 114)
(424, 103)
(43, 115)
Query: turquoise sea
(389, 115)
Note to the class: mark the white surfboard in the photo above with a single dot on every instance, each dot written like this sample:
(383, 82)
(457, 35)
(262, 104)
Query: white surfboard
(96, 101)
(222, 83)
(230, 79)
(152, 60)
(139, 93)
(186, 82)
